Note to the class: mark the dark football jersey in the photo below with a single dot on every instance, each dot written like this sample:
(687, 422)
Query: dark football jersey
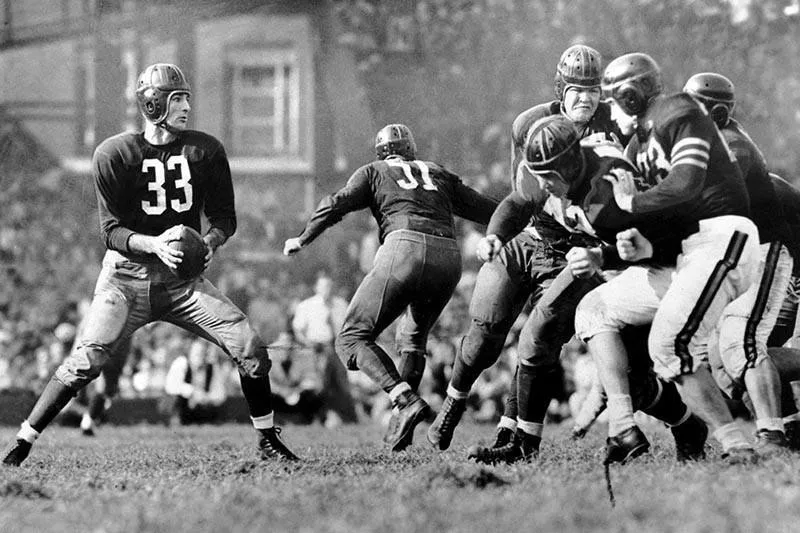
(599, 130)
(146, 188)
(789, 197)
(403, 194)
(686, 155)
(589, 206)
(765, 207)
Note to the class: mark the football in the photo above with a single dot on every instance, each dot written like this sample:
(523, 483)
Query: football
(194, 252)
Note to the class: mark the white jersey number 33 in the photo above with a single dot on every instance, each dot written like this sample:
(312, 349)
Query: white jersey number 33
(158, 175)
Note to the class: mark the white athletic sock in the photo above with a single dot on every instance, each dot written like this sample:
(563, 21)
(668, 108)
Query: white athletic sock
(263, 422)
(531, 428)
(457, 394)
(399, 389)
(26, 432)
(772, 424)
(620, 413)
(731, 436)
(86, 421)
(507, 423)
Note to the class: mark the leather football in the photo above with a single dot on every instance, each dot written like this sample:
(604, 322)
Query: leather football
(194, 252)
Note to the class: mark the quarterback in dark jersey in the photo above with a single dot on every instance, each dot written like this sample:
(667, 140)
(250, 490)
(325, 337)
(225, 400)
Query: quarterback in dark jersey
(568, 181)
(748, 321)
(149, 186)
(516, 271)
(701, 191)
(416, 268)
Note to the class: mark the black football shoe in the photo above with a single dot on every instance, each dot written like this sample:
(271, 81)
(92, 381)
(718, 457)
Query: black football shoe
(270, 446)
(792, 430)
(411, 411)
(16, 452)
(503, 436)
(628, 445)
(771, 442)
(440, 432)
(742, 455)
(690, 439)
(521, 447)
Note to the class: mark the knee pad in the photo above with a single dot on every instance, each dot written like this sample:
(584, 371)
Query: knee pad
(482, 344)
(83, 365)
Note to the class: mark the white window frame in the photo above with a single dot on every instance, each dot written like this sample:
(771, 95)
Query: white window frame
(286, 119)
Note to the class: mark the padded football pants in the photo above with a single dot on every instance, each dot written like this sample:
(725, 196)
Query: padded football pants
(132, 292)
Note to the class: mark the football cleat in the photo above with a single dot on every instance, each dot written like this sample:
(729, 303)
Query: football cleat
(440, 433)
(271, 446)
(793, 435)
(504, 436)
(771, 442)
(391, 428)
(412, 411)
(16, 452)
(520, 448)
(690, 439)
(742, 455)
(628, 445)
(87, 432)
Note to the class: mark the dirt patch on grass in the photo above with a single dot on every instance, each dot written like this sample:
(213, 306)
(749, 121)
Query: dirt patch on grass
(20, 489)
(461, 476)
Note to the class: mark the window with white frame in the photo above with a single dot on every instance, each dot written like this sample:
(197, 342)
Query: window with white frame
(264, 118)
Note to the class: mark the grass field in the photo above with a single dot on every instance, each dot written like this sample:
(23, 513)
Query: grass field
(206, 478)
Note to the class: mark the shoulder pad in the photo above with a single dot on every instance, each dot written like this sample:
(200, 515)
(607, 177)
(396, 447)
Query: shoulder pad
(673, 107)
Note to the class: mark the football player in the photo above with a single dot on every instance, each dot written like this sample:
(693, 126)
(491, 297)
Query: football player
(519, 268)
(149, 185)
(701, 191)
(747, 323)
(416, 268)
(568, 181)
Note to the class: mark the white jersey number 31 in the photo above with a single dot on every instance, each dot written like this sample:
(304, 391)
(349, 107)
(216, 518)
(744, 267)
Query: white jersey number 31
(156, 184)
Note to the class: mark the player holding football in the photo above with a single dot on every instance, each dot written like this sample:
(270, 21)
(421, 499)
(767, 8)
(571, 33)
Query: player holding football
(528, 260)
(569, 181)
(151, 185)
(702, 192)
(747, 323)
(416, 268)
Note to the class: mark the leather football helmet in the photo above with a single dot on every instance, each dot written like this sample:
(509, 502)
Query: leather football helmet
(632, 81)
(579, 65)
(154, 88)
(395, 139)
(553, 146)
(715, 92)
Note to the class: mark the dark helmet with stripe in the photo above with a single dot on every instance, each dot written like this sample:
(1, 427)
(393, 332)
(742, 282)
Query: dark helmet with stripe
(154, 88)
(395, 139)
(632, 81)
(553, 145)
(579, 65)
(715, 92)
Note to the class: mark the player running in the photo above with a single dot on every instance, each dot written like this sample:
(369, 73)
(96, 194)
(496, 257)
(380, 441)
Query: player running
(149, 184)
(523, 263)
(747, 323)
(569, 181)
(702, 192)
(416, 268)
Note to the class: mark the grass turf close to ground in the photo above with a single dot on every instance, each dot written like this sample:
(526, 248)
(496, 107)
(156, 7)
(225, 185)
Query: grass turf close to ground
(207, 478)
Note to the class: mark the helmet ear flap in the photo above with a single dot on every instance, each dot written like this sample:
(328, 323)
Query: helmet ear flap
(631, 98)
(720, 114)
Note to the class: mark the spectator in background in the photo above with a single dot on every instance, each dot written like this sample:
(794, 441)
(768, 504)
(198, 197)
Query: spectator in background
(315, 324)
(195, 386)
